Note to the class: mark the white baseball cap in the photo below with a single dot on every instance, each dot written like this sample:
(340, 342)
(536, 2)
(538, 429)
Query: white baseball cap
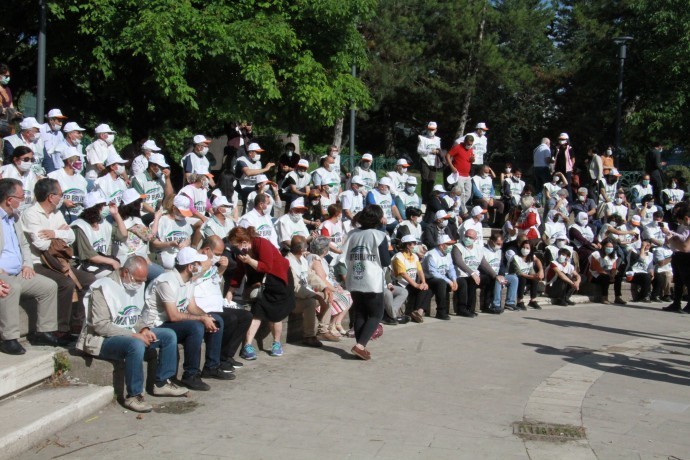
(636, 221)
(221, 201)
(150, 145)
(131, 195)
(438, 188)
(29, 123)
(203, 171)
(367, 157)
(72, 126)
(408, 239)
(298, 203)
(254, 147)
(94, 198)
(103, 128)
(444, 239)
(189, 255)
(303, 163)
(183, 204)
(69, 153)
(357, 180)
(560, 236)
(386, 181)
(441, 214)
(200, 139)
(481, 125)
(55, 113)
(431, 125)
(261, 178)
(114, 158)
(563, 136)
(614, 172)
(158, 159)
(402, 162)
(477, 210)
(411, 180)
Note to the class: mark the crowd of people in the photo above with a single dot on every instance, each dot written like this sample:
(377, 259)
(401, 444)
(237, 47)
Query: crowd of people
(120, 260)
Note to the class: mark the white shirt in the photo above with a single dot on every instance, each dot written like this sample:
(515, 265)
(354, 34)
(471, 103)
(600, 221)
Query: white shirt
(139, 165)
(262, 224)
(97, 153)
(27, 179)
(34, 219)
(479, 147)
(207, 291)
(541, 156)
(170, 229)
(368, 177)
(285, 228)
(425, 146)
(167, 288)
(73, 189)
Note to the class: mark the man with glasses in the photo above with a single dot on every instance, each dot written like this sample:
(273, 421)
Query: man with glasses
(43, 223)
(16, 270)
(29, 136)
(52, 137)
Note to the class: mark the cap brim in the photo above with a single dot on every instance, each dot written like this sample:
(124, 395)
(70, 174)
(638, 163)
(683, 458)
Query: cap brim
(185, 212)
(299, 208)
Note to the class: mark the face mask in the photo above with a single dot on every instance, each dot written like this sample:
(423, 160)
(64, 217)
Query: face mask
(674, 185)
(120, 170)
(483, 175)
(608, 251)
(609, 152)
(619, 200)
(447, 251)
(265, 188)
(204, 151)
(59, 203)
(508, 170)
(582, 222)
(525, 251)
(582, 198)
(132, 285)
(563, 142)
(196, 270)
(384, 192)
(24, 166)
(315, 202)
(4, 80)
(77, 165)
(76, 141)
(159, 174)
(289, 153)
(560, 244)
(650, 205)
(295, 217)
(414, 249)
(227, 213)
(55, 126)
(215, 259)
(410, 190)
(403, 170)
(443, 224)
(554, 180)
(110, 139)
(645, 183)
(561, 259)
(205, 184)
(366, 166)
(468, 242)
(300, 173)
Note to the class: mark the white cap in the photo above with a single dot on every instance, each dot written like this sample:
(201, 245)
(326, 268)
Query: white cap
(203, 171)
(200, 139)
(441, 214)
(55, 113)
(386, 181)
(408, 239)
(28, 123)
(189, 255)
(563, 136)
(131, 195)
(614, 172)
(254, 147)
(560, 236)
(402, 162)
(481, 125)
(303, 163)
(367, 157)
(183, 204)
(411, 180)
(158, 159)
(150, 145)
(114, 158)
(72, 126)
(476, 211)
(261, 178)
(221, 201)
(94, 198)
(103, 128)
(636, 221)
(69, 153)
(357, 180)
(431, 125)
(444, 239)
(438, 188)
(298, 203)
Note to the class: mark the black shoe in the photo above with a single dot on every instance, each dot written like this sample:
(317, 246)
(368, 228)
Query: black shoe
(194, 382)
(620, 301)
(389, 321)
(493, 311)
(534, 304)
(521, 306)
(667, 298)
(654, 299)
(403, 319)
(645, 300)
(12, 347)
(466, 313)
(510, 307)
(445, 317)
(47, 339)
(570, 302)
(672, 308)
(217, 373)
(560, 302)
(686, 309)
(231, 362)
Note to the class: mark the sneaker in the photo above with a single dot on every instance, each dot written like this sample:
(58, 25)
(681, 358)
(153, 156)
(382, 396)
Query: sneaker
(619, 301)
(276, 349)
(509, 307)
(654, 299)
(137, 404)
(248, 352)
(312, 342)
(231, 363)
(194, 382)
(534, 304)
(570, 302)
(387, 320)
(329, 336)
(217, 373)
(645, 300)
(521, 306)
(169, 389)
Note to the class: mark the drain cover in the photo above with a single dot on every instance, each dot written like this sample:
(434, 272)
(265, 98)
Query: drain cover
(548, 432)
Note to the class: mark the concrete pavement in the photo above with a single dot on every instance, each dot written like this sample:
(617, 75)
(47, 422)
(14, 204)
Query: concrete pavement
(442, 389)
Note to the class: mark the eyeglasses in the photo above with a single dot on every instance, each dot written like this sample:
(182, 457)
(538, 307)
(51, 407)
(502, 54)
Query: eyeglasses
(58, 194)
(17, 197)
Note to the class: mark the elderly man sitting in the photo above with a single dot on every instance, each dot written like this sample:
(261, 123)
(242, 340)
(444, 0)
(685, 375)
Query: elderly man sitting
(114, 330)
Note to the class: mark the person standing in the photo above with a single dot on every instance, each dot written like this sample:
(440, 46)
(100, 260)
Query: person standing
(196, 160)
(652, 166)
(429, 150)
(541, 162)
(460, 159)
(479, 146)
(564, 160)
(366, 254)
(141, 162)
(52, 137)
(99, 151)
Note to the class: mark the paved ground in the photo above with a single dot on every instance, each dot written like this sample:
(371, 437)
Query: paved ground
(441, 390)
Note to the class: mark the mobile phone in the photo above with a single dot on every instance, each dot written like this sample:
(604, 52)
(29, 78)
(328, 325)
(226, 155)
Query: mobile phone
(244, 251)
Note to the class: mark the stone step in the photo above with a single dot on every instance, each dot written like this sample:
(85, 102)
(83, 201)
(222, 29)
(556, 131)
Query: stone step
(33, 416)
(22, 371)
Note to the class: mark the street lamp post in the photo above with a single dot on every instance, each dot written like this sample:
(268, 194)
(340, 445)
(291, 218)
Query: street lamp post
(621, 42)
(41, 77)
(352, 127)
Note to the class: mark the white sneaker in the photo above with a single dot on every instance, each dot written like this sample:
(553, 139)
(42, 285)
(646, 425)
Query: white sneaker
(169, 389)
(137, 404)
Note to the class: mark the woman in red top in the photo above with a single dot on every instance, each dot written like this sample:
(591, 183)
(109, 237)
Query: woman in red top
(264, 266)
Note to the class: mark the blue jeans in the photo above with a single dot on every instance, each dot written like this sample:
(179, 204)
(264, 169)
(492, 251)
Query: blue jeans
(190, 334)
(511, 295)
(132, 351)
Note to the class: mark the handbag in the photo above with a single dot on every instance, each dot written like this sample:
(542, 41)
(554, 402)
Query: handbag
(57, 257)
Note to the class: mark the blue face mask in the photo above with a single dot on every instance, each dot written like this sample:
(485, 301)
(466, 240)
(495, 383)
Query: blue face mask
(645, 183)
(608, 250)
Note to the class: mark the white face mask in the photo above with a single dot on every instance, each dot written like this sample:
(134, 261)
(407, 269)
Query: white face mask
(366, 165)
(507, 170)
(563, 142)
(619, 200)
(204, 151)
(562, 259)
(443, 223)
(581, 197)
(24, 166)
(34, 137)
(131, 285)
(295, 217)
(120, 170)
(525, 251)
(674, 185)
(265, 188)
(215, 259)
(55, 126)
(403, 170)
(315, 202)
(410, 189)
(560, 244)
(110, 139)
(385, 191)
(196, 270)
(227, 213)
(257, 157)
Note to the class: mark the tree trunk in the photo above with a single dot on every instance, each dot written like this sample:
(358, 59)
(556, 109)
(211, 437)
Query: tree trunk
(388, 136)
(472, 71)
(338, 132)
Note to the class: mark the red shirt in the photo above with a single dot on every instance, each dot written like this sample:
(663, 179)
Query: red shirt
(462, 159)
(270, 261)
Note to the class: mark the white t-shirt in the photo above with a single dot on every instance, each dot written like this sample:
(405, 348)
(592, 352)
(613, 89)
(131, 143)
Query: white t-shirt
(28, 181)
(73, 189)
(170, 229)
(111, 188)
(97, 153)
(262, 224)
(167, 288)
(213, 227)
(139, 165)
(285, 228)
(352, 201)
(133, 245)
(208, 294)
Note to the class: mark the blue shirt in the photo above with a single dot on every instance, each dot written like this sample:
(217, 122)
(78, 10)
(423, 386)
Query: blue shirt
(11, 257)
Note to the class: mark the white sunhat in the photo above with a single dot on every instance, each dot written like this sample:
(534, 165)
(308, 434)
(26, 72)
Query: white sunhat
(432, 125)
(103, 128)
(438, 188)
(72, 126)
(94, 198)
(367, 157)
(402, 162)
(221, 201)
(29, 123)
(303, 163)
(200, 139)
(298, 203)
(254, 147)
(55, 113)
(444, 239)
(203, 171)
(114, 158)
(481, 125)
(217, 192)
(357, 180)
(130, 196)
(261, 178)
(183, 204)
(69, 153)
(386, 181)
(411, 180)
(189, 255)
(158, 159)
(477, 210)
(408, 239)
(150, 145)
(563, 136)
(441, 214)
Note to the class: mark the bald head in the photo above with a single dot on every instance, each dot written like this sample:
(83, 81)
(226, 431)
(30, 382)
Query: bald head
(298, 244)
(471, 234)
(137, 268)
(214, 243)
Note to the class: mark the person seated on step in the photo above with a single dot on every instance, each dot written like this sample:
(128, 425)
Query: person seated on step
(529, 271)
(468, 256)
(440, 274)
(114, 330)
(394, 298)
(408, 273)
(604, 270)
(562, 279)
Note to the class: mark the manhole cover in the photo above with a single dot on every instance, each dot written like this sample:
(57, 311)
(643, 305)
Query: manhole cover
(548, 432)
